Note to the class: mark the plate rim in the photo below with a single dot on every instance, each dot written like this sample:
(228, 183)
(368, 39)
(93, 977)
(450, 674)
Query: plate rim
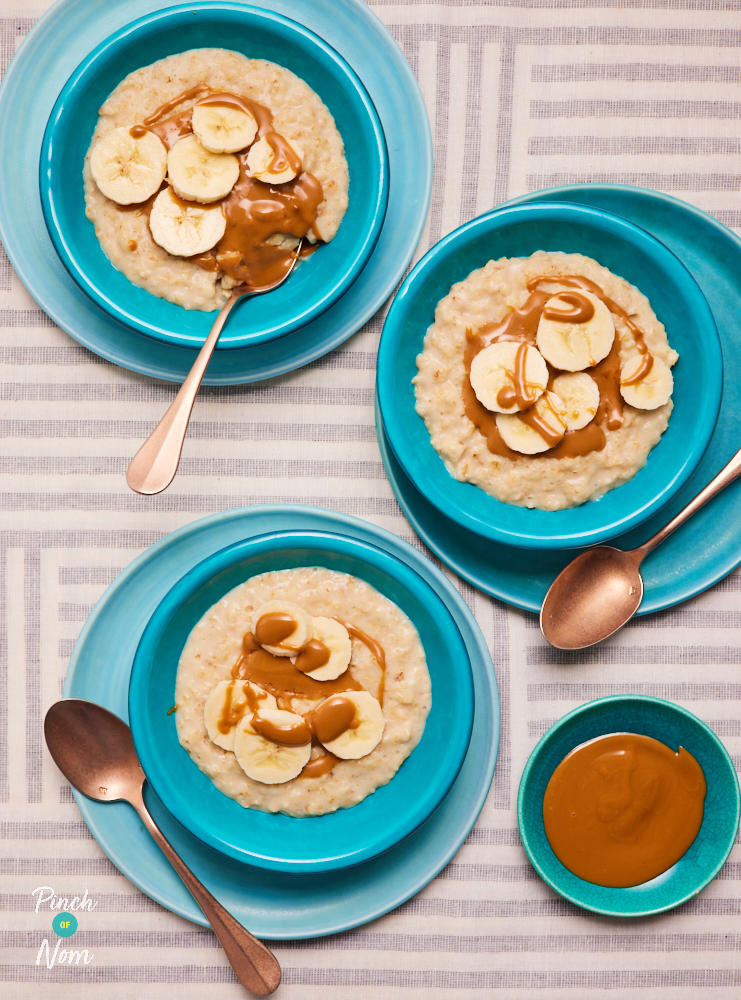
(181, 591)
(579, 710)
(76, 315)
(487, 712)
(71, 261)
(489, 530)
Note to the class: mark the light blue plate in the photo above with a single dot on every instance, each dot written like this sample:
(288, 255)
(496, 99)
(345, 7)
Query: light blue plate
(257, 34)
(673, 726)
(273, 840)
(706, 548)
(626, 250)
(63, 37)
(276, 905)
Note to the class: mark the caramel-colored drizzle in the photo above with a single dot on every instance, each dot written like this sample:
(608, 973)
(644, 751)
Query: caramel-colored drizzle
(333, 718)
(254, 211)
(294, 734)
(168, 106)
(533, 419)
(315, 654)
(375, 648)
(521, 326)
(520, 392)
(274, 627)
(320, 765)
(647, 363)
(285, 156)
(284, 680)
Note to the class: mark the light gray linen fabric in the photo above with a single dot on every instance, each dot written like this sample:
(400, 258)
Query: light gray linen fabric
(522, 94)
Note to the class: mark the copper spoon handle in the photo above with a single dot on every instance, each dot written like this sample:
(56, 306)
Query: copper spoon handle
(255, 966)
(153, 467)
(724, 478)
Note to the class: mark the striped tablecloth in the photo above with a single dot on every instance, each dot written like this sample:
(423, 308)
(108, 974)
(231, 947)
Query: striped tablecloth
(522, 94)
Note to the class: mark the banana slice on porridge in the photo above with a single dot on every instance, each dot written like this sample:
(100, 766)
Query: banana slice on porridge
(508, 377)
(580, 396)
(537, 429)
(228, 705)
(646, 384)
(336, 641)
(260, 753)
(128, 169)
(275, 160)
(572, 346)
(350, 725)
(223, 129)
(199, 175)
(282, 627)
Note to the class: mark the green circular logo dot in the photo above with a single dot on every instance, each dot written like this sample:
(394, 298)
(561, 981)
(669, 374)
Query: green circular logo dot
(64, 924)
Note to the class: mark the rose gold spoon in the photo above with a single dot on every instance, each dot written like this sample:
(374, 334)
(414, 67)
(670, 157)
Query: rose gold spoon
(602, 588)
(95, 752)
(153, 467)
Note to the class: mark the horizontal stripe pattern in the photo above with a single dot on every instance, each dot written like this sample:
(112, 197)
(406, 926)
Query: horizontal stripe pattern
(521, 94)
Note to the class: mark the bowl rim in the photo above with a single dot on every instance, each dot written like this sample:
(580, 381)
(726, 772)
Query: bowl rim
(120, 39)
(181, 592)
(532, 762)
(435, 487)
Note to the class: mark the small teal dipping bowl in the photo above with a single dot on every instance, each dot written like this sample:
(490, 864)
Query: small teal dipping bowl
(258, 34)
(627, 251)
(276, 841)
(673, 726)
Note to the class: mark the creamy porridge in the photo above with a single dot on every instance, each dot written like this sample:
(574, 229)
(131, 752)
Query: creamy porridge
(545, 380)
(302, 691)
(206, 169)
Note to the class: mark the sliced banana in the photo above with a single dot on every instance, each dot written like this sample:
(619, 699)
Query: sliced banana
(198, 175)
(337, 639)
(519, 436)
(185, 229)
(128, 170)
(494, 369)
(261, 156)
(238, 708)
(356, 743)
(580, 396)
(296, 639)
(653, 390)
(223, 129)
(265, 761)
(572, 347)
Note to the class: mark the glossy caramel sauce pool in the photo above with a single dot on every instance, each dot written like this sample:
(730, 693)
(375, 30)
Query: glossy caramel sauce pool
(623, 808)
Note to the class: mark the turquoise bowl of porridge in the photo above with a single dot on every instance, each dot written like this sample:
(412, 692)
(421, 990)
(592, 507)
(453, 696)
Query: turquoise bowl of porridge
(361, 807)
(314, 94)
(476, 278)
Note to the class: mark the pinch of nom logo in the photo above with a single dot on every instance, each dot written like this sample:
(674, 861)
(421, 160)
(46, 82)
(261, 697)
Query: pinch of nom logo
(64, 925)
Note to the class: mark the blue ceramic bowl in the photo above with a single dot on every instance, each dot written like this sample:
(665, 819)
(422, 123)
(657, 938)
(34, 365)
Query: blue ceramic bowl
(275, 841)
(673, 726)
(627, 251)
(322, 278)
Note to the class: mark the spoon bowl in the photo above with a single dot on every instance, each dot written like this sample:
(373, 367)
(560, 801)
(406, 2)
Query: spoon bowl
(601, 590)
(94, 750)
(594, 595)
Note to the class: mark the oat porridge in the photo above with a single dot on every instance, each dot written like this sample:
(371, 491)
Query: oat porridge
(545, 380)
(206, 170)
(302, 691)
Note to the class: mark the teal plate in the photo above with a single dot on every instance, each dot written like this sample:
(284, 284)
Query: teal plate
(272, 840)
(274, 905)
(673, 726)
(707, 547)
(65, 36)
